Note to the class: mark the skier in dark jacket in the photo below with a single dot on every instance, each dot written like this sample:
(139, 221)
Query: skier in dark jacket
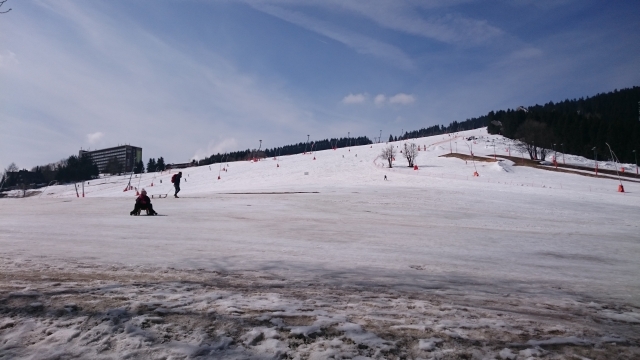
(143, 203)
(176, 182)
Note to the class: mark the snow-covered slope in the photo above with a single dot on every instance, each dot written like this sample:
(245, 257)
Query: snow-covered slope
(358, 166)
(517, 263)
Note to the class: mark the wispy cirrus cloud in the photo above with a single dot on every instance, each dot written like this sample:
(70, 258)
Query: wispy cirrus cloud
(405, 16)
(545, 4)
(529, 52)
(428, 19)
(8, 58)
(361, 43)
(121, 77)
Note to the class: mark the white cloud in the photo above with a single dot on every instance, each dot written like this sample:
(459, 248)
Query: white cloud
(380, 99)
(94, 137)
(402, 99)
(354, 99)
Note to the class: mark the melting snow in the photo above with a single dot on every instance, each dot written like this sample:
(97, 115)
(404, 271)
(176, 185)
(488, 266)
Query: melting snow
(270, 263)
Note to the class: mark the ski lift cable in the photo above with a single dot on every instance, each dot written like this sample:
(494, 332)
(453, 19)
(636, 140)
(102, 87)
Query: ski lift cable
(130, 176)
(139, 180)
(220, 166)
(616, 161)
(43, 191)
(472, 158)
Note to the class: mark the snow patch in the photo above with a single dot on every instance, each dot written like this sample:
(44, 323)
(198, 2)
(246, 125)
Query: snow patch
(429, 344)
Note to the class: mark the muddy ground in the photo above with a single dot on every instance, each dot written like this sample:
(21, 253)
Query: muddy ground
(87, 311)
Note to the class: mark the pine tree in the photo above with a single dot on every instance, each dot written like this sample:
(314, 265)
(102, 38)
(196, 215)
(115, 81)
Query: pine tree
(77, 169)
(578, 125)
(151, 165)
(160, 166)
(139, 167)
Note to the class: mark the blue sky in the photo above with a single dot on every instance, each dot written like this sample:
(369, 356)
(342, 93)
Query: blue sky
(184, 79)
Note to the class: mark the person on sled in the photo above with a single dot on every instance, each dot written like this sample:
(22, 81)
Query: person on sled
(143, 203)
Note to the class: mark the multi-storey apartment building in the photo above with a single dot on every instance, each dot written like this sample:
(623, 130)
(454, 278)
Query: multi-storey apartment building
(127, 155)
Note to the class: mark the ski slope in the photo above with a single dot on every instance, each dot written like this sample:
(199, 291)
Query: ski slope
(270, 262)
(360, 166)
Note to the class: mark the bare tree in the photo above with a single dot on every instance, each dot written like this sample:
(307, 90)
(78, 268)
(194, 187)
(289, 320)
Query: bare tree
(535, 137)
(24, 187)
(522, 147)
(2, 3)
(389, 153)
(410, 153)
(11, 168)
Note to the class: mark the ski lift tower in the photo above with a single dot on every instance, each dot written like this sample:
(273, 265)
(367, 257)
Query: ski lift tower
(595, 159)
(254, 153)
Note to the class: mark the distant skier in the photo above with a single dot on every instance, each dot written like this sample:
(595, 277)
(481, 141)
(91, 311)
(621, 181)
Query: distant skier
(143, 203)
(385, 178)
(175, 179)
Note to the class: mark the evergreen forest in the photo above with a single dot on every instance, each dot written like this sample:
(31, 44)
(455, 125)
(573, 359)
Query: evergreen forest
(298, 148)
(572, 126)
(577, 126)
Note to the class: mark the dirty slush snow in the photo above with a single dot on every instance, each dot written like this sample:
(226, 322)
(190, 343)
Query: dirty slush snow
(93, 312)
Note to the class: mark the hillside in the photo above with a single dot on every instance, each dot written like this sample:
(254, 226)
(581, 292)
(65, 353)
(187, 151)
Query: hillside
(578, 125)
(359, 166)
(318, 256)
